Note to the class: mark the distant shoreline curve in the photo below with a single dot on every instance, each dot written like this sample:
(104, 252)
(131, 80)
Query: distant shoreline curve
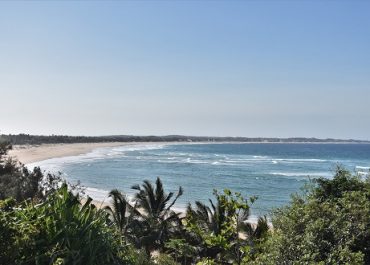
(35, 153)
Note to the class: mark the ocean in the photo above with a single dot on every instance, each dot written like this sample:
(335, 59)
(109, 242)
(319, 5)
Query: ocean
(272, 172)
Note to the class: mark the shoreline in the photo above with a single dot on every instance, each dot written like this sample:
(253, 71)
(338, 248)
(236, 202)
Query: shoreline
(27, 154)
(31, 154)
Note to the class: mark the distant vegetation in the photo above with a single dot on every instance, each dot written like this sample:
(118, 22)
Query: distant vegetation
(22, 139)
(44, 221)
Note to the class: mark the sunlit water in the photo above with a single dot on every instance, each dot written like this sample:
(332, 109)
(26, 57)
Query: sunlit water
(270, 171)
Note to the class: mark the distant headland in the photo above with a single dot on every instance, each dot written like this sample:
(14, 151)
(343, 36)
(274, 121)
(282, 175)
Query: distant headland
(27, 139)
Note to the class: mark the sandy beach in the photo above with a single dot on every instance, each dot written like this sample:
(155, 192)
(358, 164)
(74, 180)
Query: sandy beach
(34, 153)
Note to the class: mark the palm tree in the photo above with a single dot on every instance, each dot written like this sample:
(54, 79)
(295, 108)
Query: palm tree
(119, 210)
(211, 221)
(157, 221)
(226, 219)
(255, 232)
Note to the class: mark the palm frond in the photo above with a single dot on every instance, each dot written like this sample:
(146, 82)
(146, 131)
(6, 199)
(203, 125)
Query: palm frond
(178, 195)
(154, 220)
(147, 196)
(262, 227)
(118, 209)
(243, 215)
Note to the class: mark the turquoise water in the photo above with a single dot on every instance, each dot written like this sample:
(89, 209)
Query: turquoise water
(270, 171)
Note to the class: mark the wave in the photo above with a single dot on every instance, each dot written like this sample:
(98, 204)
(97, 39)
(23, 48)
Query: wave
(56, 164)
(361, 167)
(301, 174)
(300, 160)
(215, 159)
(97, 194)
(102, 195)
(224, 161)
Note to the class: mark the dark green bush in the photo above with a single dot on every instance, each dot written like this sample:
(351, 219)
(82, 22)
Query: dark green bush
(61, 230)
(329, 225)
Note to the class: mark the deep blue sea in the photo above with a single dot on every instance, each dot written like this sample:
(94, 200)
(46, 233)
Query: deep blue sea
(270, 171)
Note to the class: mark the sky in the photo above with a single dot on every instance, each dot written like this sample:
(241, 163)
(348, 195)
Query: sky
(215, 68)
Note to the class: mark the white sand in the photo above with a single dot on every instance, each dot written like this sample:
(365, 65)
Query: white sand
(34, 153)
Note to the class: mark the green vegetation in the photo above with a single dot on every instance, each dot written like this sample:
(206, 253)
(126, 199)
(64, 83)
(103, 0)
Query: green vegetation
(60, 231)
(15, 180)
(157, 223)
(217, 229)
(329, 225)
(42, 221)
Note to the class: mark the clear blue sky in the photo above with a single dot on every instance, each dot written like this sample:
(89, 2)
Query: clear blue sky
(223, 68)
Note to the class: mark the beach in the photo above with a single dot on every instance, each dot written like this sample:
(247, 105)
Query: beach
(31, 154)
(35, 153)
(27, 154)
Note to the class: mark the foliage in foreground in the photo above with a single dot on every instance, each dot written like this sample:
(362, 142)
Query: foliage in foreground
(59, 231)
(16, 180)
(156, 222)
(329, 225)
(217, 230)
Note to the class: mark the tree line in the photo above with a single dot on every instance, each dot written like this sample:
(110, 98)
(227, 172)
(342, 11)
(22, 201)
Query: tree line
(27, 139)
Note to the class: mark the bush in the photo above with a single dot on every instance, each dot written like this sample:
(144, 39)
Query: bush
(60, 231)
(330, 225)
(16, 180)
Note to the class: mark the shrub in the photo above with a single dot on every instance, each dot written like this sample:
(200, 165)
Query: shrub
(329, 225)
(61, 231)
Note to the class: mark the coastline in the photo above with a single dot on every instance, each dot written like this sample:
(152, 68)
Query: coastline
(30, 154)
(35, 153)
(27, 154)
